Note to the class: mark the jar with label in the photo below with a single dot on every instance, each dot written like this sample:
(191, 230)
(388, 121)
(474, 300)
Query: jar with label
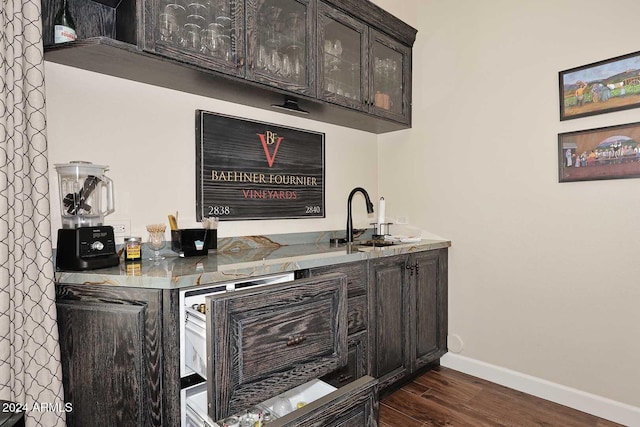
(132, 249)
(134, 268)
(202, 308)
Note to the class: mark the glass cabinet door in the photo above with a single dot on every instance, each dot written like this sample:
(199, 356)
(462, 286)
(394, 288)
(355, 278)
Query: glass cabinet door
(278, 34)
(203, 32)
(390, 65)
(342, 57)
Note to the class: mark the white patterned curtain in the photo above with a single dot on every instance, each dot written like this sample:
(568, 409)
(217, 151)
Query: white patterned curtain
(30, 371)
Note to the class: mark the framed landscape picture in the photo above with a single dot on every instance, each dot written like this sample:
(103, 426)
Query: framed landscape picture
(604, 153)
(602, 87)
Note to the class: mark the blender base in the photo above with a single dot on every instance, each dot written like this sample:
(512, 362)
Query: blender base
(86, 248)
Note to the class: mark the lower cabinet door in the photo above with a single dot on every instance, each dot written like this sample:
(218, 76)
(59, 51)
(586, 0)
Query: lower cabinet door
(264, 341)
(428, 309)
(111, 353)
(389, 318)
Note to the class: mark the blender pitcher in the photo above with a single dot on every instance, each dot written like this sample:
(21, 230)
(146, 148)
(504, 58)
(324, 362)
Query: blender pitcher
(82, 186)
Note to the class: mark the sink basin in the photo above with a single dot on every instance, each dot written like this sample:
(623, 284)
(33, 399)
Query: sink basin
(369, 246)
(361, 245)
(373, 243)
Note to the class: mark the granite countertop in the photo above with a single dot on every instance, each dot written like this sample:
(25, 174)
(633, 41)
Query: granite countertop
(240, 258)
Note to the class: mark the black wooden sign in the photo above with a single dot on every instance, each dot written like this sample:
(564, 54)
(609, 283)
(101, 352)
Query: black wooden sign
(254, 170)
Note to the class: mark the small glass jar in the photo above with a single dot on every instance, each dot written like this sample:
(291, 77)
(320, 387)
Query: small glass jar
(202, 308)
(132, 249)
(246, 422)
(134, 268)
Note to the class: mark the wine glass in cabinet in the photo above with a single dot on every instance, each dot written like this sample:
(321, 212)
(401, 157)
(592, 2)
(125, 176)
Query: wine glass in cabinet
(342, 58)
(390, 78)
(208, 33)
(278, 35)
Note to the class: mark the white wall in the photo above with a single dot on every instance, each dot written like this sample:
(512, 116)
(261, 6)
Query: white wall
(544, 277)
(146, 135)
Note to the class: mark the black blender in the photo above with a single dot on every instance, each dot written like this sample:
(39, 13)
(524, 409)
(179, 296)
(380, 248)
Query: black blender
(84, 243)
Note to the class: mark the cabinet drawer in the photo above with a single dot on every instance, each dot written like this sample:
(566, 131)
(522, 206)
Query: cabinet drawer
(356, 275)
(353, 405)
(264, 341)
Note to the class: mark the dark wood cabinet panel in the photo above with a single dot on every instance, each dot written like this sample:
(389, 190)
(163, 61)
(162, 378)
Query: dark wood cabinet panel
(378, 18)
(267, 340)
(389, 299)
(357, 362)
(408, 313)
(212, 38)
(342, 52)
(112, 387)
(357, 313)
(111, 355)
(356, 275)
(358, 320)
(390, 71)
(428, 309)
(280, 39)
(170, 366)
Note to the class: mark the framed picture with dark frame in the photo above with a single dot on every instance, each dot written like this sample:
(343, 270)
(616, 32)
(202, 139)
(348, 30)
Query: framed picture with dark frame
(604, 153)
(248, 169)
(602, 87)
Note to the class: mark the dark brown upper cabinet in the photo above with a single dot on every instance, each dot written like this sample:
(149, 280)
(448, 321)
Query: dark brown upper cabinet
(346, 62)
(279, 40)
(205, 33)
(342, 58)
(389, 78)
(362, 68)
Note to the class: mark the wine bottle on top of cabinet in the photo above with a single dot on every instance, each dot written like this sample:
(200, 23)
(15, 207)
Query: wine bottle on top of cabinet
(64, 26)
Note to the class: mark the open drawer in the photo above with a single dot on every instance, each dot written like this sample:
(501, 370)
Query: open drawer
(262, 342)
(354, 405)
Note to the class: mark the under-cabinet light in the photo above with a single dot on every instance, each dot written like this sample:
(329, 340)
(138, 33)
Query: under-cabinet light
(290, 104)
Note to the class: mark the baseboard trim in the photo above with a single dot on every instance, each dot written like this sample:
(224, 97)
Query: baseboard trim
(586, 402)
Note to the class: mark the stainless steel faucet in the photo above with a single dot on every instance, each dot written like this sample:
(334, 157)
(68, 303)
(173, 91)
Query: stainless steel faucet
(349, 218)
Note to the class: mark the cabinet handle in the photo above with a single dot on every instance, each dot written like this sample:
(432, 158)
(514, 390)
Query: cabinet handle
(417, 268)
(410, 267)
(295, 340)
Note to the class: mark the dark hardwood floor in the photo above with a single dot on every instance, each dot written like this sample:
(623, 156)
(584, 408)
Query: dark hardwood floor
(444, 397)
